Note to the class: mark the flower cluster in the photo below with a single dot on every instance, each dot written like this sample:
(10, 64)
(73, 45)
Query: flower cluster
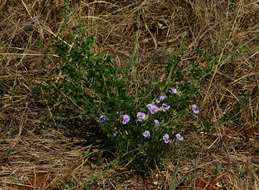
(158, 105)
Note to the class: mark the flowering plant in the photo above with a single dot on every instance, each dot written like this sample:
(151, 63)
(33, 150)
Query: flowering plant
(146, 135)
(93, 87)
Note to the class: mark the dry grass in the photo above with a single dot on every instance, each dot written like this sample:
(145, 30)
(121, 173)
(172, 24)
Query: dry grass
(34, 157)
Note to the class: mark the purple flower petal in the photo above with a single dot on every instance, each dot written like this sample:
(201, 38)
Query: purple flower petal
(165, 107)
(156, 122)
(195, 109)
(179, 137)
(172, 90)
(125, 119)
(152, 108)
(166, 138)
(160, 99)
(102, 118)
(141, 116)
(146, 134)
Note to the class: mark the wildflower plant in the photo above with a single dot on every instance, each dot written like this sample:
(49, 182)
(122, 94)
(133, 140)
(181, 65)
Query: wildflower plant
(94, 88)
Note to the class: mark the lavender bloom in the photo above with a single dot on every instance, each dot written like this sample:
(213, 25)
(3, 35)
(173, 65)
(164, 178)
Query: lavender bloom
(102, 118)
(152, 108)
(141, 116)
(166, 138)
(157, 123)
(146, 134)
(160, 99)
(125, 119)
(172, 90)
(179, 137)
(195, 109)
(165, 107)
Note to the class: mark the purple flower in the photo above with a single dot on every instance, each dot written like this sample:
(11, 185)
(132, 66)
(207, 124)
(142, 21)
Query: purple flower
(152, 108)
(141, 116)
(179, 137)
(102, 118)
(166, 138)
(125, 119)
(157, 123)
(172, 90)
(195, 109)
(146, 134)
(160, 99)
(165, 107)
